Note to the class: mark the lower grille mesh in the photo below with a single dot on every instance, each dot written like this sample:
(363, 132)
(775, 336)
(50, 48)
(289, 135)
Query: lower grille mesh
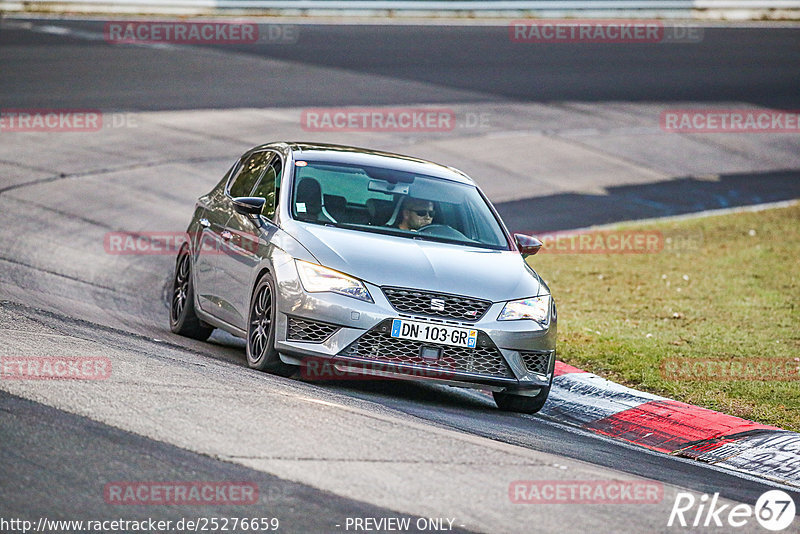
(377, 344)
(536, 362)
(309, 331)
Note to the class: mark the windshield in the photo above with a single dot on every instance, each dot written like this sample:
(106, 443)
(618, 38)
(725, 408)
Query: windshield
(380, 200)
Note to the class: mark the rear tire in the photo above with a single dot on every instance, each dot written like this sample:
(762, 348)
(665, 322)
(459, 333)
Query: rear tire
(510, 402)
(261, 353)
(182, 318)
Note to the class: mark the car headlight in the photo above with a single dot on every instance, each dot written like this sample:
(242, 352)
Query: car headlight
(536, 308)
(316, 279)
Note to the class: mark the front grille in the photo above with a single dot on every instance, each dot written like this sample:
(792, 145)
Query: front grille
(536, 362)
(377, 344)
(309, 331)
(419, 302)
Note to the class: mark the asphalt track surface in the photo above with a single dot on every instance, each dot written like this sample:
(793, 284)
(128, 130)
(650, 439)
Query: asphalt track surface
(485, 60)
(53, 461)
(57, 484)
(462, 63)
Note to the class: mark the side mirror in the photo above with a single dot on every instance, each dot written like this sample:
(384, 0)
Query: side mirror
(249, 205)
(527, 244)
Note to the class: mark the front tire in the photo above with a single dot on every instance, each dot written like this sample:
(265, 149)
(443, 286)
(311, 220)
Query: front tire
(261, 353)
(182, 318)
(510, 402)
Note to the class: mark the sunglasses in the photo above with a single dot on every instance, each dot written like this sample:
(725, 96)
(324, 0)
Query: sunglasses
(423, 213)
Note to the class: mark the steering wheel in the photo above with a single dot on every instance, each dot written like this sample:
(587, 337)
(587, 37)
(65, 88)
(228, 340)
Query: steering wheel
(441, 230)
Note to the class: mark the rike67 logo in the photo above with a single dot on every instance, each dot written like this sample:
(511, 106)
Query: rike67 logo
(774, 510)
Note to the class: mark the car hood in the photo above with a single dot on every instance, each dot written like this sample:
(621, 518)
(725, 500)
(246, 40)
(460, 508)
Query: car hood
(385, 260)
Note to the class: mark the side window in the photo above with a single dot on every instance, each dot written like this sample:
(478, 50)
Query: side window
(268, 186)
(250, 170)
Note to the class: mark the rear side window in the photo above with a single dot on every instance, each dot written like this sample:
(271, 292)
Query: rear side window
(248, 174)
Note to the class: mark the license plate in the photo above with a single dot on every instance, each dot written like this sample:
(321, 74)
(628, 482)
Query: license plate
(434, 333)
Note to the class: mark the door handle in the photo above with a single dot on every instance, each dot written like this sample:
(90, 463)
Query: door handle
(204, 223)
(226, 235)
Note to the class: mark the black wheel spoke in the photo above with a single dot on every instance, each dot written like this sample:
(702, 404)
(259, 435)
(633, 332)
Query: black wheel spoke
(178, 304)
(257, 349)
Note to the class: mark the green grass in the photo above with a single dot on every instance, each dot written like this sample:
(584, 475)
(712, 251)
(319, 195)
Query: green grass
(724, 287)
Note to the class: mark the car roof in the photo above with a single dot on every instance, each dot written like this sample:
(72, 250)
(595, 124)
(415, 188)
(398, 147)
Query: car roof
(365, 156)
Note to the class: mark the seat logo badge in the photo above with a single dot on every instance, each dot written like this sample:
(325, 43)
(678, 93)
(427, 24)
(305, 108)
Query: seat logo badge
(437, 305)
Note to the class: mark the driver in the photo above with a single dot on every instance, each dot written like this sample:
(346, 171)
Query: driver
(416, 213)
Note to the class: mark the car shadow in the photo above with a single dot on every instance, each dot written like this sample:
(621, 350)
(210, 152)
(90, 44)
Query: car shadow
(677, 196)
(392, 392)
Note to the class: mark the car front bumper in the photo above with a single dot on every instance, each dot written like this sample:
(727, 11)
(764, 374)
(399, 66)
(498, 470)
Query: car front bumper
(352, 335)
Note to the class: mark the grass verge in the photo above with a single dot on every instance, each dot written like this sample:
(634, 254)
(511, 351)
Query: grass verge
(723, 288)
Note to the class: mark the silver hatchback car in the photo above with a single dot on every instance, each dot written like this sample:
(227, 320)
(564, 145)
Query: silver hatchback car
(374, 263)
